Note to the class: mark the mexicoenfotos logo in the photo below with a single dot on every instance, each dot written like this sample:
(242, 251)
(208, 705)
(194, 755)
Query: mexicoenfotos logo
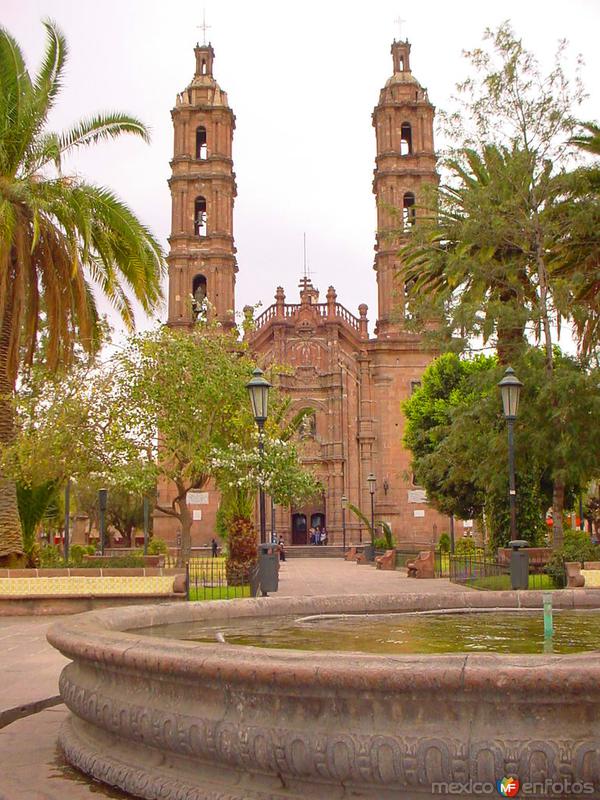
(508, 787)
(511, 786)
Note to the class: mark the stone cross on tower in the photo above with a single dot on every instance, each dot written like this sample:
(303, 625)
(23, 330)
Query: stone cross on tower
(204, 27)
(399, 21)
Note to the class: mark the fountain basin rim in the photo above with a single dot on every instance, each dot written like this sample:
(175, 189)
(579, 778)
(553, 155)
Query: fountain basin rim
(106, 638)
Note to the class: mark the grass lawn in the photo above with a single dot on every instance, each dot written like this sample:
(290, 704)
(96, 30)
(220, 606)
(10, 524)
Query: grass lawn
(218, 592)
(502, 582)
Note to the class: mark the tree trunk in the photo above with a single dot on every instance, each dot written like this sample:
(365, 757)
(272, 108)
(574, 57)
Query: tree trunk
(185, 517)
(544, 298)
(558, 502)
(11, 538)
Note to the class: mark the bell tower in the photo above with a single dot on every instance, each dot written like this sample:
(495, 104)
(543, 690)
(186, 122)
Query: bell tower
(202, 263)
(404, 165)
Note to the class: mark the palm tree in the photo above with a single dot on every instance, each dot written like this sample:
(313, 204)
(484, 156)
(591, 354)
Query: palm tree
(60, 239)
(470, 255)
(577, 254)
(589, 141)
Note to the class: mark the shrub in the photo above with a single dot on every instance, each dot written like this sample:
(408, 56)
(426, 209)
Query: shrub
(465, 547)
(51, 556)
(444, 543)
(387, 536)
(381, 544)
(577, 546)
(157, 547)
(77, 552)
(114, 562)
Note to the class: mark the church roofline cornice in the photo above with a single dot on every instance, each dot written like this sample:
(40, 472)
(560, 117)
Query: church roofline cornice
(215, 157)
(189, 109)
(414, 105)
(207, 176)
(378, 175)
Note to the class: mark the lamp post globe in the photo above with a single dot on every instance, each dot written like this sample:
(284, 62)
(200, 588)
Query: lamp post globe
(510, 389)
(258, 390)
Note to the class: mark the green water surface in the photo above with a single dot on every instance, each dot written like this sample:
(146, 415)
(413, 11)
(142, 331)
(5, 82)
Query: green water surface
(472, 632)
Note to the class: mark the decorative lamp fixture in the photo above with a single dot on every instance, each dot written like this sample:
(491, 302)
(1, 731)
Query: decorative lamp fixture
(258, 389)
(510, 389)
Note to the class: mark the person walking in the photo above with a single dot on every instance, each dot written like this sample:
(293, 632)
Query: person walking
(215, 547)
(281, 544)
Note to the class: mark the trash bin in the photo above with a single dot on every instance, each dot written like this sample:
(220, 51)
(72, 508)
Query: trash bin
(519, 565)
(268, 567)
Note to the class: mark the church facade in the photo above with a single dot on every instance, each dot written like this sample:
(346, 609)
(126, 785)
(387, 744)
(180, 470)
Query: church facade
(353, 382)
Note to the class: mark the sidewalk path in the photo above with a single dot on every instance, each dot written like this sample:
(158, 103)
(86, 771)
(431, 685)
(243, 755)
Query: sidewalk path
(318, 576)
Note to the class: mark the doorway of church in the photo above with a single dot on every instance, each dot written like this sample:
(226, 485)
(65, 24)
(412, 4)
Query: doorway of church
(305, 518)
(299, 529)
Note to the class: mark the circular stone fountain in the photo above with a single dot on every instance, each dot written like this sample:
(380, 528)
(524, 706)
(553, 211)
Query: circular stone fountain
(163, 718)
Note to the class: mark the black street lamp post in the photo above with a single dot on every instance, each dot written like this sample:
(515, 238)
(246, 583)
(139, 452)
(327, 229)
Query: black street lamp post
(102, 500)
(67, 541)
(273, 531)
(258, 389)
(510, 389)
(344, 507)
(146, 523)
(372, 480)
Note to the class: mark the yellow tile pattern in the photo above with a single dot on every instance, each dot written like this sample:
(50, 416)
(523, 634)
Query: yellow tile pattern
(592, 578)
(152, 584)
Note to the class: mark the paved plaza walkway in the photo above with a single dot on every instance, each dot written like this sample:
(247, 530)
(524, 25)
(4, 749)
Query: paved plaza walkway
(31, 767)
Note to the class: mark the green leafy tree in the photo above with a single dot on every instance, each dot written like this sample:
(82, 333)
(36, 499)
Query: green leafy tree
(60, 238)
(182, 396)
(65, 428)
(441, 464)
(457, 434)
(240, 471)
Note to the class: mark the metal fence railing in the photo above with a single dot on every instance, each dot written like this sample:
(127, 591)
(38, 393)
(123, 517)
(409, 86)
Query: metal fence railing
(212, 579)
(441, 562)
(481, 572)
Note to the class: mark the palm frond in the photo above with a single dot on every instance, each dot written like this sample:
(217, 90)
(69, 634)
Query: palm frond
(362, 517)
(102, 127)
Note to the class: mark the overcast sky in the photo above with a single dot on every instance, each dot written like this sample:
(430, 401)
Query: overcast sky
(302, 79)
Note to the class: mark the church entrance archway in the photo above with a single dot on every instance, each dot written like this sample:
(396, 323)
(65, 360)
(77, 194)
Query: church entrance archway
(299, 529)
(308, 516)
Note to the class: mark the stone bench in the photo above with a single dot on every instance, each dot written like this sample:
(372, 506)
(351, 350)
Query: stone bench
(353, 553)
(45, 591)
(386, 561)
(587, 576)
(423, 566)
